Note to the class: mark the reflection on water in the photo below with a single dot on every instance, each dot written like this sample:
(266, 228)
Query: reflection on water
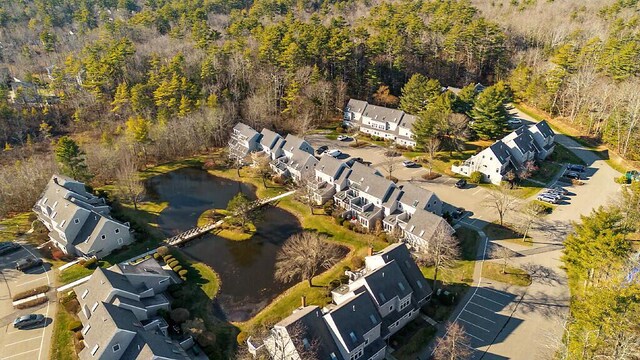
(245, 267)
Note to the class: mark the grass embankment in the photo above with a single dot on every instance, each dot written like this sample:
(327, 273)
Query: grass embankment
(73, 273)
(62, 344)
(412, 338)
(462, 271)
(499, 232)
(18, 225)
(229, 232)
(511, 275)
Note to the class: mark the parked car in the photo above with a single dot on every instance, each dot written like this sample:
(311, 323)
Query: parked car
(28, 263)
(514, 121)
(446, 297)
(408, 163)
(461, 183)
(342, 137)
(352, 161)
(576, 167)
(28, 320)
(560, 190)
(554, 195)
(322, 149)
(334, 153)
(8, 247)
(572, 175)
(547, 199)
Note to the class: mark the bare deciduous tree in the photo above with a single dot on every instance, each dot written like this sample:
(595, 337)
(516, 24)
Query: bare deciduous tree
(129, 187)
(305, 193)
(389, 165)
(260, 165)
(455, 345)
(502, 253)
(432, 146)
(501, 201)
(441, 251)
(530, 215)
(304, 255)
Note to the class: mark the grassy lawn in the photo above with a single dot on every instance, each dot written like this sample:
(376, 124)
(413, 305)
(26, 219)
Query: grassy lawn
(443, 160)
(73, 273)
(62, 346)
(496, 232)
(546, 172)
(17, 226)
(232, 233)
(513, 276)
(563, 155)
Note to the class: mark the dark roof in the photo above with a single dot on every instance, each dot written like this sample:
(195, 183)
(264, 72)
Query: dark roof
(87, 228)
(357, 316)
(408, 121)
(269, 138)
(501, 151)
(387, 282)
(524, 142)
(330, 166)
(356, 105)
(382, 114)
(308, 323)
(412, 273)
(544, 128)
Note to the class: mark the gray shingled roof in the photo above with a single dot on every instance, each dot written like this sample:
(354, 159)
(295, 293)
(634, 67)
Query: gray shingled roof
(400, 253)
(370, 182)
(408, 121)
(269, 138)
(356, 105)
(388, 282)
(415, 196)
(382, 114)
(544, 128)
(106, 320)
(330, 166)
(101, 284)
(146, 267)
(300, 158)
(245, 130)
(423, 224)
(293, 142)
(359, 315)
(308, 323)
(501, 151)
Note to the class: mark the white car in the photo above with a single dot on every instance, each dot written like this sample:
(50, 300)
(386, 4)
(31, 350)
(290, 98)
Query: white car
(334, 153)
(342, 137)
(514, 121)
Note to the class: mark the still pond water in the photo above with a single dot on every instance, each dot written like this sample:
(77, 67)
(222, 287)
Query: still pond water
(245, 267)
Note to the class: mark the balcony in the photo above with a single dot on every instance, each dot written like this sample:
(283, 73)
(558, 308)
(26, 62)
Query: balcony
(360, 205)
(317, 185)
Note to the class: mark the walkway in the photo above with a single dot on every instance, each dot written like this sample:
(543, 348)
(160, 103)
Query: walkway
(200, 230)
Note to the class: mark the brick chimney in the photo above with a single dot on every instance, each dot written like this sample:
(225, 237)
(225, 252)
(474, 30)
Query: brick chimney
(370, 251)
(303, 300)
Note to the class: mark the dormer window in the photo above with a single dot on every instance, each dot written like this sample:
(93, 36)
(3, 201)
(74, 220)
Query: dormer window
(62, 223)
(85, 293)
(353, 336)
(401, 286)
(117, 231)
(116, 348)
(94, 307)
(95, 350)
(76, 221)
(103, 236)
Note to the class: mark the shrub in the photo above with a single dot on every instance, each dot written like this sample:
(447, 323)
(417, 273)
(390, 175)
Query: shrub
(339, 129)
(163, 251)
(78, 336)
(357, 262)
(334, 284)
(90, 264)
(156, 256)
(328, 207)
(35, 291)
(206, 339)
(348, 225)
(74, 325)
(173, 263)
(177, 268)
(475, 177)
(457, 163)
(31, 303)
(183, 273)
(167, 258)
(179, 315)
(344, 279)
(622, 180)
(57, 254)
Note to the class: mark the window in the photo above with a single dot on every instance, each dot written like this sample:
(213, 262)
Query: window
(333, 356)
(62, 223)
(76, 221)
(117, 231)
(163, 281)
(419, 284)
(94, 307)
(120, 241)
(116, 348)
(353, 336)
(103, 236)
(382, 297)
(391, 308)
(95, 350)
(86, 330)
(401, 286)
(373, 319)
(85, 293)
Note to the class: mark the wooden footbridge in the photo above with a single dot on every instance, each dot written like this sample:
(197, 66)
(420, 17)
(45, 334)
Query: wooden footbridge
(201, 230)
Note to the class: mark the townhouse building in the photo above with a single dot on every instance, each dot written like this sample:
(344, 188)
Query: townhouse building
(244, 140)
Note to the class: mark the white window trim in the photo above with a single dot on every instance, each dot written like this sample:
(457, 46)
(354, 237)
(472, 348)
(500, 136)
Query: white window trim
(85, 293)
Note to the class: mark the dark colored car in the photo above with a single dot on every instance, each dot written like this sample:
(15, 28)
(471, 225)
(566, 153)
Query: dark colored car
(322, 149)
(28, 320)
(446, 297)
(572, 175)
(458, 213)
(575, 167)
(461, 183)
(28, 263)
(8, 247)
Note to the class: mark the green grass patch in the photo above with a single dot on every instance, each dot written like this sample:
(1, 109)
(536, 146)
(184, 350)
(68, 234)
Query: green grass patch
(562, 155)
(18, 225)
(73, 273)
(497, 232)
(62, 345)
(546, 172)
(512, 276)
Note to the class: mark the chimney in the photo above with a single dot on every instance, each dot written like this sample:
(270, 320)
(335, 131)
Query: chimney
(370, 251)
(303, 300)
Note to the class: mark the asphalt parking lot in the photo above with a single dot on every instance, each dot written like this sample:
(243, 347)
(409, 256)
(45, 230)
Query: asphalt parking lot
(33, 342)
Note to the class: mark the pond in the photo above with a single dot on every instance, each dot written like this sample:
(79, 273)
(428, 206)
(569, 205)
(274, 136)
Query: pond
(245, 267)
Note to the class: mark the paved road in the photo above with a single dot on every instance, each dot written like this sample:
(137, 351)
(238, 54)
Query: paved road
(502, 321)
(33, 343)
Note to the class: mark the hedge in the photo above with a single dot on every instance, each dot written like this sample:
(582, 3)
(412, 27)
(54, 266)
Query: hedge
(156, 256)
(174, 263)
(35, 291)
(90, 262)
(475, 177)
(167, 258)
(163, 251)
(183, 273)
(74, 325)
(177, 268)
(31, 303)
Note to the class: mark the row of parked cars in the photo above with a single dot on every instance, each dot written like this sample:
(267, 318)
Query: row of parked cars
(553, 195)
(22, 264)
